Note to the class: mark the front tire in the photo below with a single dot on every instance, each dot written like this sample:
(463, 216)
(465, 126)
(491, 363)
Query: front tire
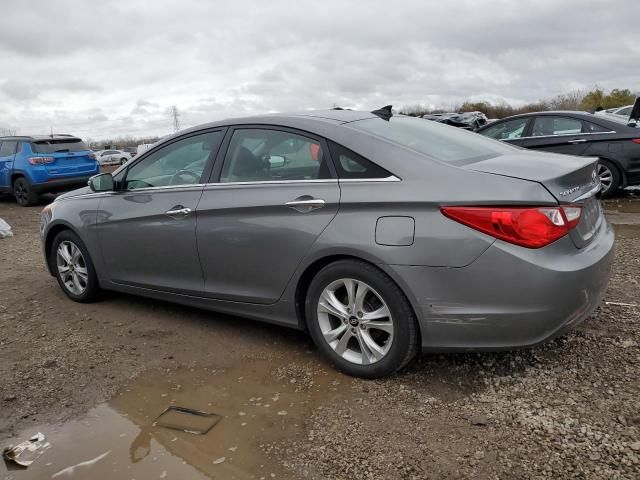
(361, 320)
(25, 196)
(609, 178)
(74, 270)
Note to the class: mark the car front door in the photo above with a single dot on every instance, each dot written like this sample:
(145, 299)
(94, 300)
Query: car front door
(559, 134)
(147, 227)
(509, 131)
(7, 154)
(272, 195)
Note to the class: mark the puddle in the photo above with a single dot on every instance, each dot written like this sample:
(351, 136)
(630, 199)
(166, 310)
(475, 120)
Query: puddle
(260, 402)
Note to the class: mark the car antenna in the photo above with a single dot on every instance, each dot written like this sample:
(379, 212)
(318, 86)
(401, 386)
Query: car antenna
(384, 113)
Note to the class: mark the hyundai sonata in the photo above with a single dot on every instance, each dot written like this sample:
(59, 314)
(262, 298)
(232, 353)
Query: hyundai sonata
(380, 234)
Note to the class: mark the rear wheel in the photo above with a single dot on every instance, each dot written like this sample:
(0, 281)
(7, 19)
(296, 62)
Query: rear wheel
(25, 196)
(123, 161)
(361, 320)
(609, 178)
(73, 267)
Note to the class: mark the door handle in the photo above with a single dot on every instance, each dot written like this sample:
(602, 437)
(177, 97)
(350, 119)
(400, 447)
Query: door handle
(307, 205)
(178, 210)
(577, 140)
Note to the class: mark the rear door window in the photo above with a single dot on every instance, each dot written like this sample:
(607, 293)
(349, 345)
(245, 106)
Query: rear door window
(550, 126)
(59, 146)
(8, 148)
(264, 155)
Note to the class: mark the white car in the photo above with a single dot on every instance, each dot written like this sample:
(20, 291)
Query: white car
(620, 113)
(112, 157)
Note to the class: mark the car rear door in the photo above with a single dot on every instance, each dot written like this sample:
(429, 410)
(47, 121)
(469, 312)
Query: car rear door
(7, 154)
(272, 193)
(509, 131)
(147, 228)
(559, 134)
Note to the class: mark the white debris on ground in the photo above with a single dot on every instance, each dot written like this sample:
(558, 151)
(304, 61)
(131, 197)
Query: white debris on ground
(5, 229)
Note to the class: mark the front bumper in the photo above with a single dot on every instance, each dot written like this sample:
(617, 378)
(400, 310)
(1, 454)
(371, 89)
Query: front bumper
(510, 297)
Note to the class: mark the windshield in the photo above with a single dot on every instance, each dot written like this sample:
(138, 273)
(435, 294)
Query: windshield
(62, 145)
(442, 142)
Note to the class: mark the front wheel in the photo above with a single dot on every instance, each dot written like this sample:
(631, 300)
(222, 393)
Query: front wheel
(73, 268)
(609, 178)
(360, 320)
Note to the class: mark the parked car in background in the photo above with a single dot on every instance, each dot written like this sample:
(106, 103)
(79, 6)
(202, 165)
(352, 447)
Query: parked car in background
(33, 165)
(620, 113)
(143, 147)
(616, 145)
(112, 157)
(132, 151)
(379, 234)
(466, 120)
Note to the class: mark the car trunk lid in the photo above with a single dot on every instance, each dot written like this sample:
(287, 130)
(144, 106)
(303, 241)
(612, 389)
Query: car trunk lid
(570, 179)
(69, 156)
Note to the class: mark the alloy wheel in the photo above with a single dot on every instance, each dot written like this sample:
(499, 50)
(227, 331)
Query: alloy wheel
(606, 177)
(355, 321)
(20, 193)
(72, 267)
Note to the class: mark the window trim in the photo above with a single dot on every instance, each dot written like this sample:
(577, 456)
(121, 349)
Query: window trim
(216, 173)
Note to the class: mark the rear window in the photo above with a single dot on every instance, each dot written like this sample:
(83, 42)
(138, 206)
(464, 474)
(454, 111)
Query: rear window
(442, 142)
(62, 145)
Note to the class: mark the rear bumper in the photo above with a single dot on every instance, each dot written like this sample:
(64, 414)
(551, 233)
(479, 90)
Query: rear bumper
(510, 297)
(60, 184)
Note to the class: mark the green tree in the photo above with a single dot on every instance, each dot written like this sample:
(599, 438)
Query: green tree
(618, 98)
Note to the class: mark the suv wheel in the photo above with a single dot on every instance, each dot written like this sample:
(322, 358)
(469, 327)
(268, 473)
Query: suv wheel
(25, 196)
(361, 320)
(73, 267)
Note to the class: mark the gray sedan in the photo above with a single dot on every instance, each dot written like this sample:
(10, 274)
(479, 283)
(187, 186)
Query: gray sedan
(380, 235)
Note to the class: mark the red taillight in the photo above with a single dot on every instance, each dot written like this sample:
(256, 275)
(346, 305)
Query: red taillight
(636, 140)
(531, 227)
(40, 160)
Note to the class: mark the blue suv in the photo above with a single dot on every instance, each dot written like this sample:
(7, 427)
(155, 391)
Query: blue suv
(32, 165)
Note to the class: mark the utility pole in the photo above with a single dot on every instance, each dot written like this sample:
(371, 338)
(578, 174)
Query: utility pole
(175, 116)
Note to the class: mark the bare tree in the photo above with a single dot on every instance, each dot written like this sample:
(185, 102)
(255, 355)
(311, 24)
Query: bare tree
(7, 132)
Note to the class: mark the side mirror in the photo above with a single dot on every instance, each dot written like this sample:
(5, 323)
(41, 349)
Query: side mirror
(277, 161)
(102, 182)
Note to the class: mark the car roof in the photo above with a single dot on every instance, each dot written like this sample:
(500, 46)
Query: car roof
(57, 136)
(597, 119)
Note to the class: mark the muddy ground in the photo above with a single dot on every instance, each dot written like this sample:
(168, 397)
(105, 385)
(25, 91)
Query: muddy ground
(93, 378)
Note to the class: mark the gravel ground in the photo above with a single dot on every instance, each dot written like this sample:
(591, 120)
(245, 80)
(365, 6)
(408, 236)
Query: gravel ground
(567, 409)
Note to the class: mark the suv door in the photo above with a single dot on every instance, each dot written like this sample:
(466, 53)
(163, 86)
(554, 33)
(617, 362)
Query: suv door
(559, 134)
(273, 194)
(7, 154)
(147, 228)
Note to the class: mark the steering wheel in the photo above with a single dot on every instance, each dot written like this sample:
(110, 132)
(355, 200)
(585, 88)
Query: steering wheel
(179, 173)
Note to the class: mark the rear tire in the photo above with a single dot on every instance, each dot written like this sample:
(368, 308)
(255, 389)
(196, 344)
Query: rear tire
(368, 333)
(24, 194)
(123, 161)
(609, 178)
(73, 268)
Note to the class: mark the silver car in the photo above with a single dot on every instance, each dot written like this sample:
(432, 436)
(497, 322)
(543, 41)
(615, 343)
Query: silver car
(381, 235)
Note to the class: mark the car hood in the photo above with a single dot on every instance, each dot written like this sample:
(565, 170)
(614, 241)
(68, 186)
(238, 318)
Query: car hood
(566, 177)
(73, 193)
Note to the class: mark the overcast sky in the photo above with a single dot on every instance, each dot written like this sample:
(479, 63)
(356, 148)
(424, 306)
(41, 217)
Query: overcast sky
(114, 67)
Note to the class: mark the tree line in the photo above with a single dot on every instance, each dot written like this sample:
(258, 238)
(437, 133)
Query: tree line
(589, 101)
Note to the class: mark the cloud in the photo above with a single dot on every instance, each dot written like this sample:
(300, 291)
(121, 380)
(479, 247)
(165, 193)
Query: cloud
(132, 60)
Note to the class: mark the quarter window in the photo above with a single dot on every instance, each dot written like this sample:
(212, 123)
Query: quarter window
(351, 165)
(179, 163)
(508, 130)
(593, 128)
(547, 126)
(262, 155)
